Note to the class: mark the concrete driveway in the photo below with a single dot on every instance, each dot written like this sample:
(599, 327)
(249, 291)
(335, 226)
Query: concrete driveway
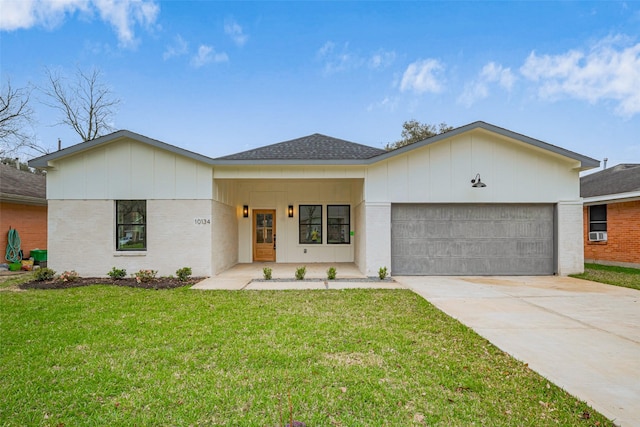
(582, 336)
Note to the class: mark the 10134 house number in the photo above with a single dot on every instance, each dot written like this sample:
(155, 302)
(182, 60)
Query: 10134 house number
(202, 221)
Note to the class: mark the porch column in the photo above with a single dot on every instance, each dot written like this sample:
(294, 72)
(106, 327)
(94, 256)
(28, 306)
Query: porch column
(570, 237)
(378, 237)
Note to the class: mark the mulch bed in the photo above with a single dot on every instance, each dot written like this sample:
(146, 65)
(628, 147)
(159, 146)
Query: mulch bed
(159, 283)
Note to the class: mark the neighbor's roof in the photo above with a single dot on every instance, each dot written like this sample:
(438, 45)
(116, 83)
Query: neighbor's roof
(18, 186)
(311, 147)
(623, 178)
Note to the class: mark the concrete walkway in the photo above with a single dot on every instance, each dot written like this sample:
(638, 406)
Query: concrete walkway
(582, 336)
(249, 277)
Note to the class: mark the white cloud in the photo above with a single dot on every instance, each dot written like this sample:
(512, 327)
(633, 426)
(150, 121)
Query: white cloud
(423, 76)
(178, 48)
(122, 15)
(337, 59)
(478, 89)
(382, 59)
(207, 54)
(388, 104)
(608, 71)
(234, 30)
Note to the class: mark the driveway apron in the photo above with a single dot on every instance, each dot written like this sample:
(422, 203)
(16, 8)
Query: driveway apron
(582, 336)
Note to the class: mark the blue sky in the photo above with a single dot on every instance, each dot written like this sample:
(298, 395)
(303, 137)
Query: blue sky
(221, 77)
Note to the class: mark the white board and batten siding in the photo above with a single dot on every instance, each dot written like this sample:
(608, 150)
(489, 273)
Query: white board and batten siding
(463, 230)
(82, 190)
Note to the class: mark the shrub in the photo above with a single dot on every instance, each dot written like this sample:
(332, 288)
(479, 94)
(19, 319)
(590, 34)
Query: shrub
(145, 275)
(300, 272)
(117, 273)
(266, 273)
(68, 276)
(43, 274)
(331, 273)
(382, 273)
(183, 273)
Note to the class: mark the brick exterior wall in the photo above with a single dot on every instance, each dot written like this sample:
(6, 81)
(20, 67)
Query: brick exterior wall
(623, 235)
(31, 223)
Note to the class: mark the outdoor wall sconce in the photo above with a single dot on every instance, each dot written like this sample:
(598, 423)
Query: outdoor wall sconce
(245, 211)
(476, 183)
(290, 211)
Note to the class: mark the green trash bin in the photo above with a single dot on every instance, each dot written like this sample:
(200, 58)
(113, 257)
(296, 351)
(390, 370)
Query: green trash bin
(39, 255)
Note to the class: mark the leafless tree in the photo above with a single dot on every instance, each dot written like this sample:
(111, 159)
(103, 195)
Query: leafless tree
(85, 103)
(15, 119)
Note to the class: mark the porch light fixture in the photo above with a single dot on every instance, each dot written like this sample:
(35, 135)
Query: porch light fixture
(290, 211)
(476, 183)
(245, 211)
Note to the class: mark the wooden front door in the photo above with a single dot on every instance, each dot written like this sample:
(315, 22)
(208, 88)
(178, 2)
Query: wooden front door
(264, 235)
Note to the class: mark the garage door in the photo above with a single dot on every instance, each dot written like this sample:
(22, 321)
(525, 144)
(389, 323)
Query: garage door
(461, 239)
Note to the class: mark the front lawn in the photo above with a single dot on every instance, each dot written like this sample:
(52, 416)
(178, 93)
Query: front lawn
(619, 276)
(103, 355)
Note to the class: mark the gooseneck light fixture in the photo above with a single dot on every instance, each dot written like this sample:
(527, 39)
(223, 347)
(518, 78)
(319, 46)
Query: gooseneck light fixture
(245, 211)
(476, 183)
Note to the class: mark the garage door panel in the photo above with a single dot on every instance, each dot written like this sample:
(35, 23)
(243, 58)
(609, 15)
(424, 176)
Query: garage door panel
(462, 267)
(463, 249)
(472, 239)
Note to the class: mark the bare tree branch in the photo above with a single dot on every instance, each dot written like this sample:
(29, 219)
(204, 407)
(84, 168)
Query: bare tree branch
(86, 104)
(16, 118)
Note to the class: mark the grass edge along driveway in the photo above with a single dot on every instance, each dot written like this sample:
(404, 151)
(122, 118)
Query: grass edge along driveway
(103, 355)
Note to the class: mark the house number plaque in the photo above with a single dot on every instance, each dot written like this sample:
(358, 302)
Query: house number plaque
(202, 221)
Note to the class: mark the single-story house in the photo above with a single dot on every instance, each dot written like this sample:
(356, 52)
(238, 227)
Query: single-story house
(23, 206)
(612, 215)
(477, 200)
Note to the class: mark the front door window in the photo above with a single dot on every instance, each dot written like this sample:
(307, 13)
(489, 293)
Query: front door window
(264, 231)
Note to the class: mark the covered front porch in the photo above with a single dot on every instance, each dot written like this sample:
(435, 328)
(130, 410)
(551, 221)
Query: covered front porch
(287, 221)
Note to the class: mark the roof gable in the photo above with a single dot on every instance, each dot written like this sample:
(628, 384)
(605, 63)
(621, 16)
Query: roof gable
(623, 178)
(43, 161)
(311, 147)
(585, 162)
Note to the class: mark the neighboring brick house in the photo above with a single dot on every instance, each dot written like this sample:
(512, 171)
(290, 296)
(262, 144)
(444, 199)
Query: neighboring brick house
(23, 206)
(612, 215)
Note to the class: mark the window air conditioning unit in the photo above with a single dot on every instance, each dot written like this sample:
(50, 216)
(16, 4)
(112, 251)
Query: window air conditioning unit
(598, 236)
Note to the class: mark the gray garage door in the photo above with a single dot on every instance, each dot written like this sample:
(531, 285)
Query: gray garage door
(461, 239)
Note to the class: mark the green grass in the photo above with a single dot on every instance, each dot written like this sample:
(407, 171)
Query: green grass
(100, 355)
(618, 276)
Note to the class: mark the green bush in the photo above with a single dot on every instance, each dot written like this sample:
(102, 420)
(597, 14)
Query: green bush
(266, 273)
(382, 273)
(117, 273)
(331, 273)
(43, 274)
(300, 272)
(184, 274)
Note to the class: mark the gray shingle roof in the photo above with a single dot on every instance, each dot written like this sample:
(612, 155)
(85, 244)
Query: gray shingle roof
(311, 147)
(623, 178)
(16, 183)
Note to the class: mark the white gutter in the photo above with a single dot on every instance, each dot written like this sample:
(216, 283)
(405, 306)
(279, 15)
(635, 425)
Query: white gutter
(631, 196)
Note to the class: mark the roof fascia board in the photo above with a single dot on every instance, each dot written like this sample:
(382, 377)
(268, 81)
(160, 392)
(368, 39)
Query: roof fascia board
(350, 162)
(585, 162)
(24, 200)
(44, 161)
(631, 196)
